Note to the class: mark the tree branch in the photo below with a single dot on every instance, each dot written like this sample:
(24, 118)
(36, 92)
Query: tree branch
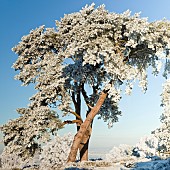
(78, 122)
(73, 98)
(89, 106)
(85, 96)
(75, 114)
(84, 93)
(95, 88)
(78, 97)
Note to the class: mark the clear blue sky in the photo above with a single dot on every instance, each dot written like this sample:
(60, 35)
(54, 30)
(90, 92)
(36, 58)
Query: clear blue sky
(140, 111)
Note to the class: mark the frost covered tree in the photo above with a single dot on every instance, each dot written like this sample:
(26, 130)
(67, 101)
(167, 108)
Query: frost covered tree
(163, 132)
(86, 60)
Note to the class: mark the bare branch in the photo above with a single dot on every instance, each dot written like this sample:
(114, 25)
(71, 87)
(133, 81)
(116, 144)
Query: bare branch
(89, 106)
(78, 122)
(75, 114)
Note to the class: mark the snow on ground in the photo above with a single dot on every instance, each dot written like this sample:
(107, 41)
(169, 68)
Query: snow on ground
(131, 163)
(125, 157)
(140, 164)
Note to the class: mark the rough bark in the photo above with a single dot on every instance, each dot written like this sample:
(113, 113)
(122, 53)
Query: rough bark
(84, 151)
(84, 127)
(84, 145)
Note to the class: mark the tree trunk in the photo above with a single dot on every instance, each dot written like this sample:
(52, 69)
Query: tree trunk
(84, 151)
(83, 147)
(85, 126)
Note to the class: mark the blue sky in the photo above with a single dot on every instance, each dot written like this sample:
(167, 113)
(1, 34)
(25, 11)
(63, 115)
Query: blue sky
(140, 111)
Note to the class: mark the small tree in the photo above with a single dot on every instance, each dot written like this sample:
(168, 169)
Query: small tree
(86, 60)
(163, 132)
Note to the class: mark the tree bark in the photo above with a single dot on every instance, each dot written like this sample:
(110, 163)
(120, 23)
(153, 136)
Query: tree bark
(83, 147)
(84, 127)
(84, 151)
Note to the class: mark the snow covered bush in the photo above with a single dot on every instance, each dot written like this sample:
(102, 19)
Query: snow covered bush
(11, 161)
(24, 136)
(119, 153)
(55, 152)
(148, 145)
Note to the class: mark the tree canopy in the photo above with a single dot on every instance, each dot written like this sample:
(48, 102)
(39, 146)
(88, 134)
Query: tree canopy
(92, 47)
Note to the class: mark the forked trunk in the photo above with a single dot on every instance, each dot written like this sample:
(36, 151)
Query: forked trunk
(84, 127)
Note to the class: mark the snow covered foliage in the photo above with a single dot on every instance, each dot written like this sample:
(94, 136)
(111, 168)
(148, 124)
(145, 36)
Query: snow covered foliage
(119, 153)
(12, 161)
(148, 145)
(24, 135)
(163, 132)
(91, 48)
(55, 153)
(9, 161)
